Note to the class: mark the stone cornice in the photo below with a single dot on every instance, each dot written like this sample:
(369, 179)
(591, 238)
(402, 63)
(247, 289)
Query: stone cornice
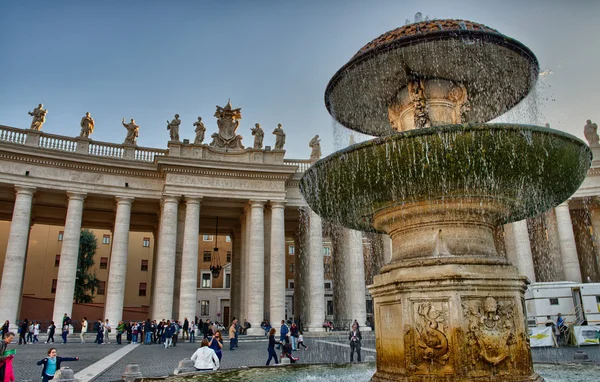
(224, 173)
(80, 165)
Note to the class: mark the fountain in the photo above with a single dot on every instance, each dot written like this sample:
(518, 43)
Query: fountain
(441, 182)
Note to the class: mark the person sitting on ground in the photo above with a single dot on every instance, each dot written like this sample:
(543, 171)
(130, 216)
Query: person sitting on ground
(51, 364)
(205, 358)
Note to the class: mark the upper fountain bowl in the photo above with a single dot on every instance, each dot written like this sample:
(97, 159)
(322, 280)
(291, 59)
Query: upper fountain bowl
(455, 60)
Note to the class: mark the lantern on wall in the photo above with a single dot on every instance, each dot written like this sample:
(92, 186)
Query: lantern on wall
(215, 261)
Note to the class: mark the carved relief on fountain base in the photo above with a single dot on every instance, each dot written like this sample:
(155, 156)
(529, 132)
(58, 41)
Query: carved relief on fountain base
(451, 322)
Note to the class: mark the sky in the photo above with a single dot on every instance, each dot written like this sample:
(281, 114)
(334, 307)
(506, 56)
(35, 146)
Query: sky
(149, 60)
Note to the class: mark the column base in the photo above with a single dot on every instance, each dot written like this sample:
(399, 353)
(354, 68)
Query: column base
(315, 329)
(451, 319)
(255, 331)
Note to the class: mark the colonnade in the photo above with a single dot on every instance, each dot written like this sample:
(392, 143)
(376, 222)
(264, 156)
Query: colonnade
(254, 263)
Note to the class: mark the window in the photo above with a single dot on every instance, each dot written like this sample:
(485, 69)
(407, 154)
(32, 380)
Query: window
(101, 288)
(144, 267)
(206, 280)
(206, 257)
(598, 299)
(291, 267)
(328, 285)
(227, 280)
(106, 239)
(146, 242)
(103, 262)
(554, 301)
(204, 308)
(228, 239)
(229, 256)
(326, 251)
(60, 235)
(370, 306)
(142, 289)
(291, 250)
(329, 307)
(57, 260)
(53, 288)
(291, 284)
(207, 237)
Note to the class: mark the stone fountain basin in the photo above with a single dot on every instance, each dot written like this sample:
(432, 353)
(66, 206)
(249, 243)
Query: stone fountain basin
(525, 169)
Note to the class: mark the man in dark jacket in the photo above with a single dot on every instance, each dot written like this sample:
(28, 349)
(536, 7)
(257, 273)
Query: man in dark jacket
(23, 328)
(354, 337)
(186, 326)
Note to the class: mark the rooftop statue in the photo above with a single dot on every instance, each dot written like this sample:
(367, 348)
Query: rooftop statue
(173, 128)
(590, 130)
(259, 135)
(39, 117)
(132, 132)
(200, 130)
(315, 145)
(87, 126)
(228, 122)
(280, 137)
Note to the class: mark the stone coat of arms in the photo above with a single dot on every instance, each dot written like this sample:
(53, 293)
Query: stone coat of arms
(228, 123)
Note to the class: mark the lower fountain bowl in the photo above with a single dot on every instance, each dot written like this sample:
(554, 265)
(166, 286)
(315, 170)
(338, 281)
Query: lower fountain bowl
(528, 169)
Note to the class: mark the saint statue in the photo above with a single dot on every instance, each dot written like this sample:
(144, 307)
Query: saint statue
(132, 132)
(590, 130)
(87, 126)
(259, 134)
(200, 130)
(280, 137)
(39, 117)
(173, 128)
(315, 145)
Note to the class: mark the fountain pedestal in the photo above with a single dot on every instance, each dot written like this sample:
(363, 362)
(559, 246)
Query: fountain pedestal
(448, 307)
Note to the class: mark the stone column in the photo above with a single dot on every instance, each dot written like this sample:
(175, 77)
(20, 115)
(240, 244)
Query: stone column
(16, 251)
(67, 270)
(189, 260)
(178, 258)
(256, 271)
(277, 265)
(314, 287)
(298, 307)
(165, 261)
(352, 281)
(523, 254)
(568, 249)
(236, 273)
(267, 263)
(115, 291)
(244, 270)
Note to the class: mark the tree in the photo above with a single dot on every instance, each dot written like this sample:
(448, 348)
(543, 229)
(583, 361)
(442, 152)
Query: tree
(86, 283)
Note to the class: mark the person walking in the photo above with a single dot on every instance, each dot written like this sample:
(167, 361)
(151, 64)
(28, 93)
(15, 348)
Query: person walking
(354, 337)
(205, 358)
(301, 341)
(65, 333)
(6, 373)
(294, 335)
(23, 329)
(186, 327)
(271, 347)
(107, 329)
(283, 332)
(135, 330)
(99, 332)
(5, 328)
(192, 330)
(30, 332)
(84, 328)
(168, 333)
(51, 364)
(148, 332)
(232, 335)
(176, 329)
(216, 344)
(36, 331)
(51, 331)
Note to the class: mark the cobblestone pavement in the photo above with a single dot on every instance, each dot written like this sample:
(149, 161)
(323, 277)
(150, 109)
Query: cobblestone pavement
(27, 355)
(155, 360)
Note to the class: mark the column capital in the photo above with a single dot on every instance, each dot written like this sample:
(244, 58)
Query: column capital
(277, 203)
(25, 190)
(193, 199)
(170, 199)
(76, 195)
(257, 203)
(124, 199)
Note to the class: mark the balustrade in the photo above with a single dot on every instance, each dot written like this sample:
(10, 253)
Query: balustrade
(303, 164)
(56, 142)
(12, 135)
